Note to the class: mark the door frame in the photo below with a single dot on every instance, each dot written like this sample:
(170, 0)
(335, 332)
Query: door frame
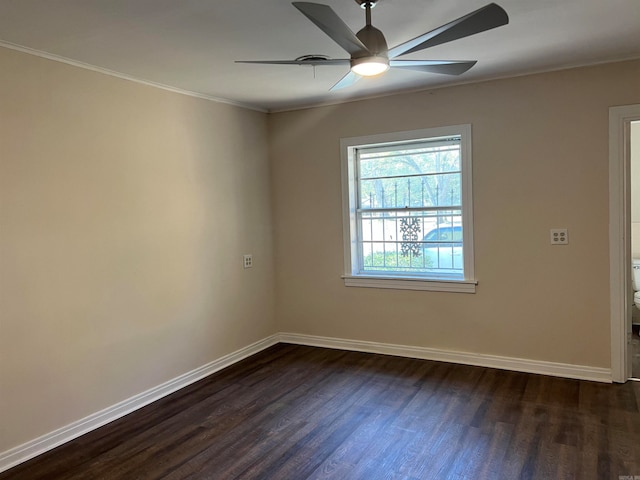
(620, 119)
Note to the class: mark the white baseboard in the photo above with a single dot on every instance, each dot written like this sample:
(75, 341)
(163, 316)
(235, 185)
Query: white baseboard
(24, 452)
(580, 372)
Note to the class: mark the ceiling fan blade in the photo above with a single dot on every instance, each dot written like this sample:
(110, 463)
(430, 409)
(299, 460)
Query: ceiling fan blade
(329, 22)
(481, 20)
(346, 81)
(434, 66)
(315, 63)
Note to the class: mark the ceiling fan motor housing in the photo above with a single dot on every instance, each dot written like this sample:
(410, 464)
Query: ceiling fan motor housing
(374, 41)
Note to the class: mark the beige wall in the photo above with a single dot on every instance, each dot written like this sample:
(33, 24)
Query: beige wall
(124, 214)
(635, 189)
(540, 161)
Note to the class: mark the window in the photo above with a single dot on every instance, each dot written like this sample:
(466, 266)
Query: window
(407, 210)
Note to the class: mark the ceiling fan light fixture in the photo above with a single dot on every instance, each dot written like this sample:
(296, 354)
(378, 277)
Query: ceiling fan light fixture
(370, 66)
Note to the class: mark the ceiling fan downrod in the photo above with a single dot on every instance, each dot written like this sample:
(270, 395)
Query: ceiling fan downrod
(367, 5)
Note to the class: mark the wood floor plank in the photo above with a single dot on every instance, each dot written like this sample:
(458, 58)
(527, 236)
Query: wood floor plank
(297, 413)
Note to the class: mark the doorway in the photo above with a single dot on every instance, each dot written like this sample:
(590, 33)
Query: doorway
(622, 120)
(634, 157)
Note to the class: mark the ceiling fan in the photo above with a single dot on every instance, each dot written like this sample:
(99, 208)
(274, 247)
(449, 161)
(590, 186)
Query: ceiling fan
(368, 49)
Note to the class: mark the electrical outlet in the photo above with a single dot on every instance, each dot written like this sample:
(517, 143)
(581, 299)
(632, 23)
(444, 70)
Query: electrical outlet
(247, 261)
(559, 236)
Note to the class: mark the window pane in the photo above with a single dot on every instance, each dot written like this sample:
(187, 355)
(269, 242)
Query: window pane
(416, 191)
(438, 159)
(412, 242)
(444, 232)
(367, 254)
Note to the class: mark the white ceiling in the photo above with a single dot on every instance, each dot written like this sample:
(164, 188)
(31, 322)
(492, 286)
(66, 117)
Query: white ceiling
(191, 45)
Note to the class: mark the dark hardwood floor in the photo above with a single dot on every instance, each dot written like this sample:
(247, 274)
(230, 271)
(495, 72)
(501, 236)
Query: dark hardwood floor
(295, 413)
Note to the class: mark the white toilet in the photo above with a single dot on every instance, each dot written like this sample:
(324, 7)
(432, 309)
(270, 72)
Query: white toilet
(636, 290)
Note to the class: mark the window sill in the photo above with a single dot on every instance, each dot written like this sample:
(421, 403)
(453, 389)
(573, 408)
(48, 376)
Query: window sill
(457, 286)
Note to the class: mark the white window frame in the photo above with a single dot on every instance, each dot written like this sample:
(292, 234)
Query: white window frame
(352, 276)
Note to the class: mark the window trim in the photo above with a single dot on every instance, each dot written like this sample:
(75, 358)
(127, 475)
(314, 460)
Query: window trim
(405, 282)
